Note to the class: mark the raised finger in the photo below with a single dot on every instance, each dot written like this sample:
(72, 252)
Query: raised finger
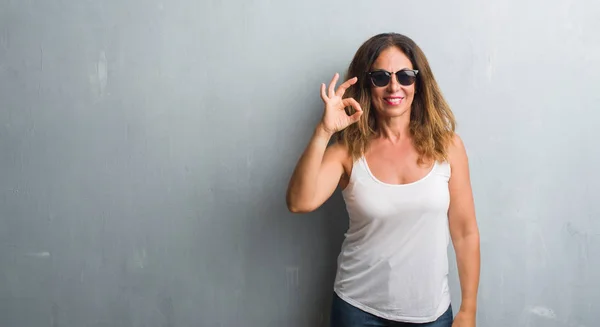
(332, 84)
(323, 95)
(342, 89)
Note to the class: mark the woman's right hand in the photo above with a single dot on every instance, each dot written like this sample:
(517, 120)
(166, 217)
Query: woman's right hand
(335, 118)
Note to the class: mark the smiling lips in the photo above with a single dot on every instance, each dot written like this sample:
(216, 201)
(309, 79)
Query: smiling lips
(393, 101)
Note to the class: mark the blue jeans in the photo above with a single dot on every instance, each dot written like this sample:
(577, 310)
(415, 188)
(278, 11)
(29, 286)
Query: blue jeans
(345, 315)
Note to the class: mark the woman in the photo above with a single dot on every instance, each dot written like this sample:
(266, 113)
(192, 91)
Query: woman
(404, 176)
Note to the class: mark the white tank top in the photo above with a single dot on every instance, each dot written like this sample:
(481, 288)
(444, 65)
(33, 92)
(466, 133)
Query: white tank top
(394, 258)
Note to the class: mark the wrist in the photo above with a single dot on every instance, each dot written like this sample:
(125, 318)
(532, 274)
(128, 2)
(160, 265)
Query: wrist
(322, 132)
(467, 308)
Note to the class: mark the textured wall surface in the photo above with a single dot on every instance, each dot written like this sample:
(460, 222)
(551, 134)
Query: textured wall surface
(146, 147)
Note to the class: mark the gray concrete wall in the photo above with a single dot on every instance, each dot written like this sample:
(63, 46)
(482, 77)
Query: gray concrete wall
(146, 147)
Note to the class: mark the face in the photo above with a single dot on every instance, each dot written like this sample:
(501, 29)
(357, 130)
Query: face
(393, 99)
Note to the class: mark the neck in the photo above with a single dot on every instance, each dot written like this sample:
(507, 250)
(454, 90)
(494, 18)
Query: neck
(395, 129)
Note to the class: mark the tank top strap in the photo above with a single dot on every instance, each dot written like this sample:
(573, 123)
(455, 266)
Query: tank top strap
(359, 169)
(443, 170)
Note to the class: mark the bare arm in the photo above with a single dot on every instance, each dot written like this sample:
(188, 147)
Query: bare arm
(463, 229)
(319, 169)
(316, 175)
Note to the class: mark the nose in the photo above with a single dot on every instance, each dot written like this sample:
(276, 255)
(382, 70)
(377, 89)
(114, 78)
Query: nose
(394, 86)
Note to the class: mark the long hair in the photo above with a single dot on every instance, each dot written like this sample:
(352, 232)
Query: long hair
(432, 123)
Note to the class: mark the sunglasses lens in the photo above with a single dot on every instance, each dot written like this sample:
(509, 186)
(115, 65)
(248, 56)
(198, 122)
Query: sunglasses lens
(380, 78)
(406, 77)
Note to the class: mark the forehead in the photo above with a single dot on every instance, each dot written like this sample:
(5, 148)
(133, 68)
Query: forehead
(392, 59)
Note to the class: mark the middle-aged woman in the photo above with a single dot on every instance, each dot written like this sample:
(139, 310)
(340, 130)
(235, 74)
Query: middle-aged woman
(404, 176)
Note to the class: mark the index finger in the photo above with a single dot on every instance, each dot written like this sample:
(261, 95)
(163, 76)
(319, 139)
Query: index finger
(342, 89)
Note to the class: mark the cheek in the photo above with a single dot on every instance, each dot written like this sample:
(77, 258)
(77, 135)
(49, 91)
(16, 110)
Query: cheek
(377, 100)
(377, 95)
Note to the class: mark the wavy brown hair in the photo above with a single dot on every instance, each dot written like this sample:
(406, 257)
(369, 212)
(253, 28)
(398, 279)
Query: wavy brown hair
(432, 123)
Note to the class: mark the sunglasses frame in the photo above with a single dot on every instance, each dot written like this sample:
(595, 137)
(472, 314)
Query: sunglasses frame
(389, 75)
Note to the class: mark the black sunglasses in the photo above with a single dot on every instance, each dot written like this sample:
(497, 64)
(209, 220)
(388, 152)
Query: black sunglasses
(382, 78)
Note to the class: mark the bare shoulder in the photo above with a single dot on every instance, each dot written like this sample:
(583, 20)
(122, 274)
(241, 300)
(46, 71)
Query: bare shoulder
(338, 152)
(337, 148)
(459, 164)
(457, 154)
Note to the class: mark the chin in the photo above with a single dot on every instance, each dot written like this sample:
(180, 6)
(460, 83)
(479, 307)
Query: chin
(394, 111)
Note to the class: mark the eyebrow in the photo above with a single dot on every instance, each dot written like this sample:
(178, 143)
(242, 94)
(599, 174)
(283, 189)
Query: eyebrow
(405, 68)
